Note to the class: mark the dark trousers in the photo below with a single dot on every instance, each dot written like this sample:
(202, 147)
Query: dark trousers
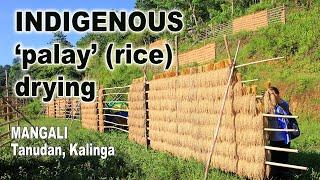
(279, 157)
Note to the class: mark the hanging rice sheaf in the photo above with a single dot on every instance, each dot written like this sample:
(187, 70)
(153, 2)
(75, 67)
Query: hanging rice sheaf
(183, 113)
(136, 115)
(89, 115)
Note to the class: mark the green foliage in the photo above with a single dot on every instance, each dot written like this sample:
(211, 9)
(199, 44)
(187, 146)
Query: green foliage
(50, 72)
(34, 108)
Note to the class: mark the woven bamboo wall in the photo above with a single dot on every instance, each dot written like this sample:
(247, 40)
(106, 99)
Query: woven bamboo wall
(136, 116)
(89, 115)
(200, 55)
(250, 22)
(183, 112)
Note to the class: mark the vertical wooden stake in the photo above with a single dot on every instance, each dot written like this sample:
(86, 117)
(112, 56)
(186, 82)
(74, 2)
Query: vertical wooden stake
(100, 110)
(146, 114)
(176, 39)
(7, 96)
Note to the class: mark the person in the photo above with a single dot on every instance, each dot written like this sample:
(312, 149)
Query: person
(278, 106)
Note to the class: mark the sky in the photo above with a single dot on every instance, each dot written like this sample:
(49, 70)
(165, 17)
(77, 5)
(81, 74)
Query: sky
(8, 36)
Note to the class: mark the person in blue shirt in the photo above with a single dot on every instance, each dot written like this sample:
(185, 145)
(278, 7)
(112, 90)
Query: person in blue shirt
(279, 138)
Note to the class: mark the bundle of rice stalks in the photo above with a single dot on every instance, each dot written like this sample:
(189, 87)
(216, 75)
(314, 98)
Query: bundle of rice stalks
(163, 105)
(185, 71)
(139, 114)
(245, 104)
(163, 126)
(211, 78)
(251, 153)
(136, 122)
(193, 70)
(200, 69)
(254, 89)
(250, 137)
(136, 115)
(254, 170)
(136, 105)
(162, 84)
(243, 121)
(162, 115)
(169, 74)
(224, 163)
(136, 96)
(161, 94)
(208, 67)
(214, 93)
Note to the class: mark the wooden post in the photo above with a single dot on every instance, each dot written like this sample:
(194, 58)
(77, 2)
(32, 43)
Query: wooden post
(145, 106)
(177, 54)
(7, 106)
(100, 110)
(284, 13)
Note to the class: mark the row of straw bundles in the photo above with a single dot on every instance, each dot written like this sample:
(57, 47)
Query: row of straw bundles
(182, 121)
(89, 115)
(136, 116)
(60, 107)
(223, 64)
(51, 109)
(250, 137)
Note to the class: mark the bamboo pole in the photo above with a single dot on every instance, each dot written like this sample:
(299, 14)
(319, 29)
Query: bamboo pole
(176, 40)
(116, 109)
(115, 93)
(117, 124)
(280, 130)
(286, 165)
(281, 149)
(7, 107)
(119, 87)
(115, 115)
(112, 127)
(257, 62)
(221, 111)
(280, 116)
(145, 106)
(23, 116)
(251, 80)
(100, 110)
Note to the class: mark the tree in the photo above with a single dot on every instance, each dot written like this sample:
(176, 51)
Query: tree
(49, 72)
(59, 37)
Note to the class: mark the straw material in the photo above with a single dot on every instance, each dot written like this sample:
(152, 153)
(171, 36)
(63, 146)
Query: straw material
(136, 115)
(89, 115)
(183, 112)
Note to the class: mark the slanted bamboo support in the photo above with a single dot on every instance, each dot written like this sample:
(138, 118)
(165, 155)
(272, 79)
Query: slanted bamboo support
(222, 107)
(257, 62)
(251, 80)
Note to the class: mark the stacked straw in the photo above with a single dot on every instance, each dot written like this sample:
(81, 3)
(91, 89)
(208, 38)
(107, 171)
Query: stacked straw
(51, 109)
(60, 107)
(136, 116)
(89, 115)
(183, 113)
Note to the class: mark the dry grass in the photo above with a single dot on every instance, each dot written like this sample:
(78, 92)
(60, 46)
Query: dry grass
(183, 112)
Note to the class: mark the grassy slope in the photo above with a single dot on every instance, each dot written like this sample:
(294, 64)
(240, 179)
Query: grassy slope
(298, 75)
(132, 161)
